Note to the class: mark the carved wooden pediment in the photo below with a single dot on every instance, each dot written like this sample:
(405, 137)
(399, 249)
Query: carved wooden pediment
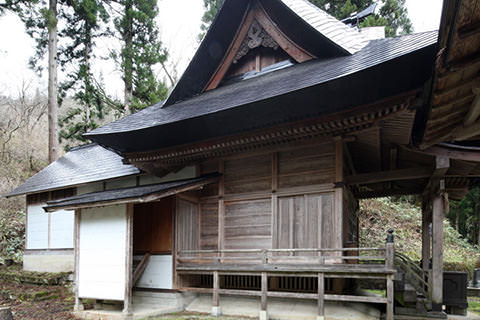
(256, 37)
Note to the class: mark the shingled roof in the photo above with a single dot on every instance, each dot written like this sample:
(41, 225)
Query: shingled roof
(237, 97)
(306, 25)
(84, 164)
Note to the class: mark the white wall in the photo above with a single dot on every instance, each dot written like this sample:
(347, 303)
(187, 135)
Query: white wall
(102, 253)
(157, 274)
(121, 183)
(60, 228)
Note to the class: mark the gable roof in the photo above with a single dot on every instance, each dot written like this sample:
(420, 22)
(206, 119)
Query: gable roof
(306, 25)
(216, 112)
(84, 164)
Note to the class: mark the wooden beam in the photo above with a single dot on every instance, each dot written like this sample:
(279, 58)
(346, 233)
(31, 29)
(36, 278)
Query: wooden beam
(469, 30)
(464, 133)
(127, 302)
(452, 153)
(76, 249)
(141, 268)
(474, 111)
(338, 205)
(391, 175)
(389, 192)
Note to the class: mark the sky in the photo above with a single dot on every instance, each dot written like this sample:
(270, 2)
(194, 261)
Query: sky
(179, 22)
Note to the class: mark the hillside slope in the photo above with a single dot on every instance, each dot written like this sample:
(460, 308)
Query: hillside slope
(378, 215)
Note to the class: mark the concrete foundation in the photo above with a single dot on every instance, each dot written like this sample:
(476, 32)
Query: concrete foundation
(48, 262)
(216, 311)
(263, 315)
(285, 308)
(145, 305)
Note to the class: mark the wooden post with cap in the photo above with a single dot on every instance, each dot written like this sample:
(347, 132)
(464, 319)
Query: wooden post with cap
(390, 265)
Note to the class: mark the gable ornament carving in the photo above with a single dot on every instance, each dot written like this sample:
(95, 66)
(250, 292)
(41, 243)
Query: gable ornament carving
(256, 37)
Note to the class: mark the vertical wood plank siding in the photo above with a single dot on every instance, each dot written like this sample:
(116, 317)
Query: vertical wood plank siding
(281, 199)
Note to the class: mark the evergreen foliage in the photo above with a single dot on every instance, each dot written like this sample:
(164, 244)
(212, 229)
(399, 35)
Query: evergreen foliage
(141, 51)
(465, 216)
(392, 14)
(83, 25)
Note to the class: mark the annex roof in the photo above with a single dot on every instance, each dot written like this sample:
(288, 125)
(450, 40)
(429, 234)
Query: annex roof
(306, 25)
(246, 103)
(131, 195)
(84, 164)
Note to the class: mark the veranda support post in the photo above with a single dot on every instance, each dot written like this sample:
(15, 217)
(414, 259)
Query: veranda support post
(390, 264)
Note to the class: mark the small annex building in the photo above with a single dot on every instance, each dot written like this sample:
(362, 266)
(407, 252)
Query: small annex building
(253, 167)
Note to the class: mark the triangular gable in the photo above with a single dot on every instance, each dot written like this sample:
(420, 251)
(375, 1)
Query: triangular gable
(257, 31)
(300, 29)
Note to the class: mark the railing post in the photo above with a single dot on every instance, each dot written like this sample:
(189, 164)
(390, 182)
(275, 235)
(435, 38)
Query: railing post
(216, 310)
(263, 312)
(321, 297)
(264, 256)
(390, 251)
(390, 264)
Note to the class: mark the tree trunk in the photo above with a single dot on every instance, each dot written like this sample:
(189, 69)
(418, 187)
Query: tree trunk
(128, 57)
(52, 83)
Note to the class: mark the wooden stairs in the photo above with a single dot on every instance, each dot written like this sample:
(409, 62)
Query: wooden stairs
(412, 291)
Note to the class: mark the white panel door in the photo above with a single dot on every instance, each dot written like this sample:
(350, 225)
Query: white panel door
(103, 253)
(37, 227)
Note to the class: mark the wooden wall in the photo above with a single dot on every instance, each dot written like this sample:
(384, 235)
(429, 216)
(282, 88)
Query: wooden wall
(278, 199)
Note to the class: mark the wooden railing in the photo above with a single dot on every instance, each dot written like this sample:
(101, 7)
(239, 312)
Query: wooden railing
(319, 263)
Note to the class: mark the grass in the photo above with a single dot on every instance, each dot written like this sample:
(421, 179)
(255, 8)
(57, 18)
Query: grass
(474, 305)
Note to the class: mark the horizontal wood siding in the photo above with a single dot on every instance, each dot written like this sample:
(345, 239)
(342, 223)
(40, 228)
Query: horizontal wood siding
(306, 166)
(248, 174)
(248, 224)
(209, 226)
(250, 207)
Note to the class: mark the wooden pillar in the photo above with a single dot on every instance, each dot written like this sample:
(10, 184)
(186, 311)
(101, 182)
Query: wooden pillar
(321, 297)
(263, 302)
(127, 303)
(337, 233)
(390, 264)
(390, 297)
(438, 213)
(76, 249)
(426, 243)
(216, 310)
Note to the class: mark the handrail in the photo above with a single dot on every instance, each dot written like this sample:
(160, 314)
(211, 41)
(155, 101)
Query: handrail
(414, 273)
(279, 250)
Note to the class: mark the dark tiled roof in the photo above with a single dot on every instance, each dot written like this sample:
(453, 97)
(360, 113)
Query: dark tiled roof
(80, 165)
(118, 195)
(308, 26)
(270, 85)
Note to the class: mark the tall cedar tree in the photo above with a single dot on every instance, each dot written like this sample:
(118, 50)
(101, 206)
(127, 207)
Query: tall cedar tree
(41, 21)
(392, 14)
(83, 24)
(141, 51)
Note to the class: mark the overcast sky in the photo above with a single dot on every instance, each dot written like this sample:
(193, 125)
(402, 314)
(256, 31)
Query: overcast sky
(179, 21)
